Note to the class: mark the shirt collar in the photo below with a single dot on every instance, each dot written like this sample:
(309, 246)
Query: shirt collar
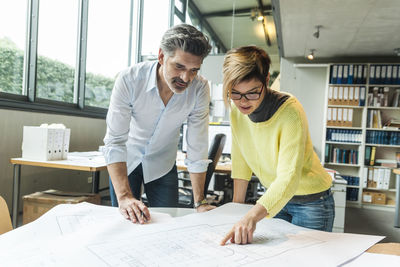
(152, 77)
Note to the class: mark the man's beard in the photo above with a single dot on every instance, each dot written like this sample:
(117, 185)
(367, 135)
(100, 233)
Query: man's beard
(178, 89)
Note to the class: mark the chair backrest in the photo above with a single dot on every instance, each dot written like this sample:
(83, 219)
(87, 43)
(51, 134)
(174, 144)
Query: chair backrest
(214, 153)
(5, 220)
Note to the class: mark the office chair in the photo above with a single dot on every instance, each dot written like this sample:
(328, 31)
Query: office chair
(5, 220)
(214, 153)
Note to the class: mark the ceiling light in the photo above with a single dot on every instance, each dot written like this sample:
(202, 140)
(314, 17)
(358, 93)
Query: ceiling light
(260, 16)
(311, 55)
(316, 34)
(397, 51)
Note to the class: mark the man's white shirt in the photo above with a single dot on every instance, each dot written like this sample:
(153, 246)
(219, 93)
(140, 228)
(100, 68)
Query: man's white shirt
(141, 129)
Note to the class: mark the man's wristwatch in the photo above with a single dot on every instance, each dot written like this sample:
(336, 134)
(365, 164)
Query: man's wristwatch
(198, 204)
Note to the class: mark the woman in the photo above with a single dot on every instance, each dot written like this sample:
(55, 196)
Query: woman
(270, 138)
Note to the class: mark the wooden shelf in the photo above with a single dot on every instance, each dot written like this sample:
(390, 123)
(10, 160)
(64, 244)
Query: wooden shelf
(342, 164)
(380, 145)
(343, 143)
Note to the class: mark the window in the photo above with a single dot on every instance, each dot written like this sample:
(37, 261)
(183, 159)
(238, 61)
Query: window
(107, 48)
(155, 23)
(12, 44)
(57, 39)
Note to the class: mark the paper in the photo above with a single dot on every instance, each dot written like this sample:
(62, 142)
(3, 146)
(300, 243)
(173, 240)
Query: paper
(90, 235)
(372, 259)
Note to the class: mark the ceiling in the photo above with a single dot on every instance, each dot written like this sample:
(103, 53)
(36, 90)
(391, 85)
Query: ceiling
(246, 31)
(350, 28)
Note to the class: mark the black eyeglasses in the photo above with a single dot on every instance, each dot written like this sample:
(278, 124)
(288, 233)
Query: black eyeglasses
(248, 96)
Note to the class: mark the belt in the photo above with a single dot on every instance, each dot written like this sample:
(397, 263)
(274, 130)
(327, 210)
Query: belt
(310, 198)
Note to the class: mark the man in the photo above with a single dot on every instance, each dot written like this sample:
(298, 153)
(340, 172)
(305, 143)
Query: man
(149, 103)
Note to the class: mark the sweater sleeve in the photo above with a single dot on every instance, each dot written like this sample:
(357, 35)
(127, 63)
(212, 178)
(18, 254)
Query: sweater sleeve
(292, 145)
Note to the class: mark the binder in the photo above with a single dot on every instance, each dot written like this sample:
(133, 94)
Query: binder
(365, 177)
(340, 116)
(367, 155)
(378, 74)
(372, 160)
(330, 95)
(362, 96)
(340, 96)
(329, 117)
(357, 96)
(381, 177)
(351, 74)
(372, 74)
(360, 74)
(339, 74)
(334, 74)
(345, 74)
(66, 138)
(389, 74)
(355, 74)
(350, 117)
(383, 75)
(364, 77)
(334, 116)
(351, 95)
(345, 118)
(370, 177)
(386, 180)
(394, 74)
(335, 96)
(345, 95)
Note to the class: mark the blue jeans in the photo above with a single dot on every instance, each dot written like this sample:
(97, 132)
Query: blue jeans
(318, 214)
(162, 192)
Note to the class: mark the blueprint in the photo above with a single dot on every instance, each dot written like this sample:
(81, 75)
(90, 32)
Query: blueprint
(90, 235)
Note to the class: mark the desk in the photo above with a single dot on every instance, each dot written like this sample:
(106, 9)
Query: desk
(397, 209)
(74, 162)
(92, 235)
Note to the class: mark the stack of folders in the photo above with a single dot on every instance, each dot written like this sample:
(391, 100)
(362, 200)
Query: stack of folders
(384, 74)
(378, 178)
(379, 97)
(339, 117)
(43, 143)
(346, 95)
(348, 74)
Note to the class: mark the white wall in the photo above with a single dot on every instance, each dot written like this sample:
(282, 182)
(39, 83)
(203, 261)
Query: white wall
(86, 135)
(212, 68)
(308, 84)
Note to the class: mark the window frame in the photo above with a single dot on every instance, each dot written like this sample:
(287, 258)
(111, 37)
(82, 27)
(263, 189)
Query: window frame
(29, 101)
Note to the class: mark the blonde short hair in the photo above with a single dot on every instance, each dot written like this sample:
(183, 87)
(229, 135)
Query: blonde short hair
(243, 64)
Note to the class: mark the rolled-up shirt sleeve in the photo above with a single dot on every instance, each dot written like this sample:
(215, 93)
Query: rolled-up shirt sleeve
(118, 122)
(197, 133)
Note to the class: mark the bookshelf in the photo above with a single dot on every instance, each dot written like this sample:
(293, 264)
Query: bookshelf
(362, 130)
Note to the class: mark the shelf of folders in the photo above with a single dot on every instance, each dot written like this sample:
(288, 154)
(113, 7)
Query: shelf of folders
(348, 74)
(339, 155)
(384, 74)
(344, 136)
(389, 138)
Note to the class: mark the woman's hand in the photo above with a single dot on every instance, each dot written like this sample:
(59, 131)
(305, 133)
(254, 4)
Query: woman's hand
(242, 232)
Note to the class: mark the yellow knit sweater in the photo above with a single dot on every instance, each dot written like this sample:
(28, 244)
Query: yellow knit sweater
(280, 153)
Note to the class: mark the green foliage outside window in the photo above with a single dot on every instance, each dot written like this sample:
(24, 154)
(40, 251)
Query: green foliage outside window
(55, 80)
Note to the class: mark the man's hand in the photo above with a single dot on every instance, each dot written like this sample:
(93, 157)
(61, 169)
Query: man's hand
(134, 210)
(204, 208)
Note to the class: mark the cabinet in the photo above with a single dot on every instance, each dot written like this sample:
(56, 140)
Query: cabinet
(361, 130)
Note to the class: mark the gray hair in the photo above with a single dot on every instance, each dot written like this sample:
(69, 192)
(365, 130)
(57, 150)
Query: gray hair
(187, 38)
